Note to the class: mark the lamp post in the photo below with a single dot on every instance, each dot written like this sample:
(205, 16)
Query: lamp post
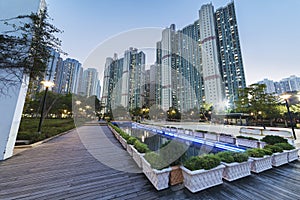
(46, 84)
(286, 97)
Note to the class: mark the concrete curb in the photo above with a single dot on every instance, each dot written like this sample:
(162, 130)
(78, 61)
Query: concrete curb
(43, 141)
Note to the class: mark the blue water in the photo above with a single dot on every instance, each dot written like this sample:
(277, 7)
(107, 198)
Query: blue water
(154, 138)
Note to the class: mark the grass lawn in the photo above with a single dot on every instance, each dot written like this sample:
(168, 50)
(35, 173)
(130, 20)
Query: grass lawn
(51, 127)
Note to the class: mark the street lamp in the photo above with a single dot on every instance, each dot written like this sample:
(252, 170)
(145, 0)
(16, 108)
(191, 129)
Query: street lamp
(286, 97)
(46, 84)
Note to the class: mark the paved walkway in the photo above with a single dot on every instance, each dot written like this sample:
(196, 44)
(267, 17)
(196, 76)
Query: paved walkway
(63, 168)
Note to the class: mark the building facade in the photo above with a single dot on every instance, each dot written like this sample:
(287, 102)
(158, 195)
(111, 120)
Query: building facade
(212, 76)
(124, 81)
(230, 55)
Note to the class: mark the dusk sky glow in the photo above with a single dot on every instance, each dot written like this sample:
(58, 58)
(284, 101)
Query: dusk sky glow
(268, 29)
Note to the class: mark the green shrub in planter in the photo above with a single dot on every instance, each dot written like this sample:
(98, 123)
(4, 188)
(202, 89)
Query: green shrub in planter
(226, 156)
(141, 147)
(202, 162)
(274, 139)
(240, 157)
(247, 138)
(273, 148)
(230, 157)
(155, 160)
(256, 153)
(124, 135)
(131, 140)
(268, 152)
(285, 146)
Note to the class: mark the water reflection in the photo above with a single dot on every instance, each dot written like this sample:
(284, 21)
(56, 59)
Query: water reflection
(155, 141)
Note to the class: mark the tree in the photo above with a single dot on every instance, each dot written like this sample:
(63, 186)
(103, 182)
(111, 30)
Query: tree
(205, 111)
(26, 47)
(173, 114)
(253, 100)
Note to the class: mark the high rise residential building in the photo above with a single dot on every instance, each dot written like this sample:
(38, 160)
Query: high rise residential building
(277, 87)
(270, 86)
(169, 60)
(73, 76)
(153, 90)
(112, 83)
(107, 85)
(213, 81)
(98, 90)
(289, 84)
(294, 83)
(90, 82)
(147, 88)
(124, 81)
(230, 55)
(60, 77)
(190, 89)
(133, 79)
(156, 72)
(200, 63)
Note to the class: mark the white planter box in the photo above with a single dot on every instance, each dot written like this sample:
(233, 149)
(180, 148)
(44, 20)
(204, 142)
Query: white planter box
(137, 157)
(234, 171)
(198, 134)
(211, 136)
(158, 178)
(227, 139)
(123, 142)
(280, 158)
(247, 143)
(293, 155)
(261, 164)
(130, 149)
(115, 133)
(201, 179)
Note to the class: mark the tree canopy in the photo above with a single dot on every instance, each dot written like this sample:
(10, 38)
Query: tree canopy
(25, 47)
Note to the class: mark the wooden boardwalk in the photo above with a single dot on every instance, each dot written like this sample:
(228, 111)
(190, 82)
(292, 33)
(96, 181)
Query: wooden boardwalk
(63, 168)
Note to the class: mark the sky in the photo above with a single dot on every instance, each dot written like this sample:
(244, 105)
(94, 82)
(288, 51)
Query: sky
(268, 30)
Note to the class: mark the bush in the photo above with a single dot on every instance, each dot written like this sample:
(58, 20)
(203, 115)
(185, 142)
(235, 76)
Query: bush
(131, 140)
(240, 157)
(273, 148)
(226, 156)
(120, 131)
(248, 138)
(256, 153)
(206, 162)
(50, 127)
(141, 147)
(155, 160)
(230, 157)
(274, 139)
(267, 152)
(285, 146)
